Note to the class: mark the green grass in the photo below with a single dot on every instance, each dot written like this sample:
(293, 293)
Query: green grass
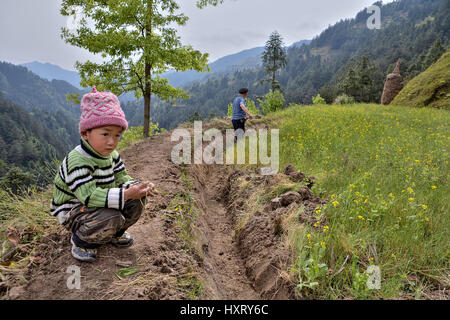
(26, 218)
(385, 170)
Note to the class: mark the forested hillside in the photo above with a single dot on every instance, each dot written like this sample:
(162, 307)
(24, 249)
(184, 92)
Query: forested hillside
(38, 125)
(45, 100)
(331, 64)
(29, 142)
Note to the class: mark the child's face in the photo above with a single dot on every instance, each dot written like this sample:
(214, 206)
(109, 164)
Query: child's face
(104, 140)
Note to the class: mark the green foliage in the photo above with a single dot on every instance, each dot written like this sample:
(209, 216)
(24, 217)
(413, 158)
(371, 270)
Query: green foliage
(344, 99)
(28, 216)
(328, 92)
(16, 180)
(40, 111)
(251, 106)
(135, 134)
(362, 81)
(271, 102)
(27, 147)
(318, 100)
(384, 170)
(425, 60)
(195, 117)
(138, 41)
(274, 58)
(325, 60)
(230, 110)
(435, 52)
(359, 287)
(309, 266)
(430, 88)
(203, 3)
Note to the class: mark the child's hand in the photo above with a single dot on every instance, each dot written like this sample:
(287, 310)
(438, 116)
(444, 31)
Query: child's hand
(151, 189)
(139, 190)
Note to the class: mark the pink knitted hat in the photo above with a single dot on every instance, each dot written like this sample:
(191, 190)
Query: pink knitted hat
(100, 109)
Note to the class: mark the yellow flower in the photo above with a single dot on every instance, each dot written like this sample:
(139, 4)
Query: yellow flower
(325, 228)
(426, 219)
(424, 206)
(308, 235)
(410, 190)
(393, 256)
(370, 259)
(411, 199)
(391, 195)
(361, 217)
(351, 185)
(315, 225)
(416, 160)
(318, 211)
(433, 187)
(322, 244)
(335, 203)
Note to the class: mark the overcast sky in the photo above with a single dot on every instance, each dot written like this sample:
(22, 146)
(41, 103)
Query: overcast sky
(30, 29)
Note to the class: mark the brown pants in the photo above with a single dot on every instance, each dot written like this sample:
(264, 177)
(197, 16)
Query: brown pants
(92, 227)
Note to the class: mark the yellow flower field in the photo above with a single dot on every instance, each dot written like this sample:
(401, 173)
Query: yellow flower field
(385, 172)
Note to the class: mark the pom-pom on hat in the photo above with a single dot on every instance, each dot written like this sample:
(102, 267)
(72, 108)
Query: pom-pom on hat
(100, 109)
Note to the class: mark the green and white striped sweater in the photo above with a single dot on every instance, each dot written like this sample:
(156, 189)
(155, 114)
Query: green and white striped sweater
(87, 177)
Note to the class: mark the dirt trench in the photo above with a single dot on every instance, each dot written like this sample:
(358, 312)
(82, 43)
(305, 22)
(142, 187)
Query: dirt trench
(223, 271)
(159, 265)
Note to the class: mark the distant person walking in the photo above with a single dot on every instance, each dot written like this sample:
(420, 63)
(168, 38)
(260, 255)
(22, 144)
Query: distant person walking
(240, 112)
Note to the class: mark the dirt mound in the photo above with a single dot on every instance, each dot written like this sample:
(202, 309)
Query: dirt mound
(259, 233)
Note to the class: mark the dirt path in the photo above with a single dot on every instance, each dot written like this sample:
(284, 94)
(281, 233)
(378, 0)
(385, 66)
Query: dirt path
(158, 265)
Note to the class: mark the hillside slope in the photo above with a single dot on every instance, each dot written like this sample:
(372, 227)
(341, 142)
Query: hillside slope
(431, 88)
(378, 197)
(50, 71)
(409, 29)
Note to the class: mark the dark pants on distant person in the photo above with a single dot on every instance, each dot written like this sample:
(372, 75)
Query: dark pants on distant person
(92, 227)
(238, 124)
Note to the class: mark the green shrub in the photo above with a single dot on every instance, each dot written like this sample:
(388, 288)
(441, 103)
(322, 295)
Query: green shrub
(272, 101)
(230, 110)
(344, 99)
(318, 100)
(134, 134)
(251, 106)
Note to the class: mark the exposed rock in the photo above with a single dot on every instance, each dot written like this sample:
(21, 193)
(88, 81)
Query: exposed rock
(393, 85)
